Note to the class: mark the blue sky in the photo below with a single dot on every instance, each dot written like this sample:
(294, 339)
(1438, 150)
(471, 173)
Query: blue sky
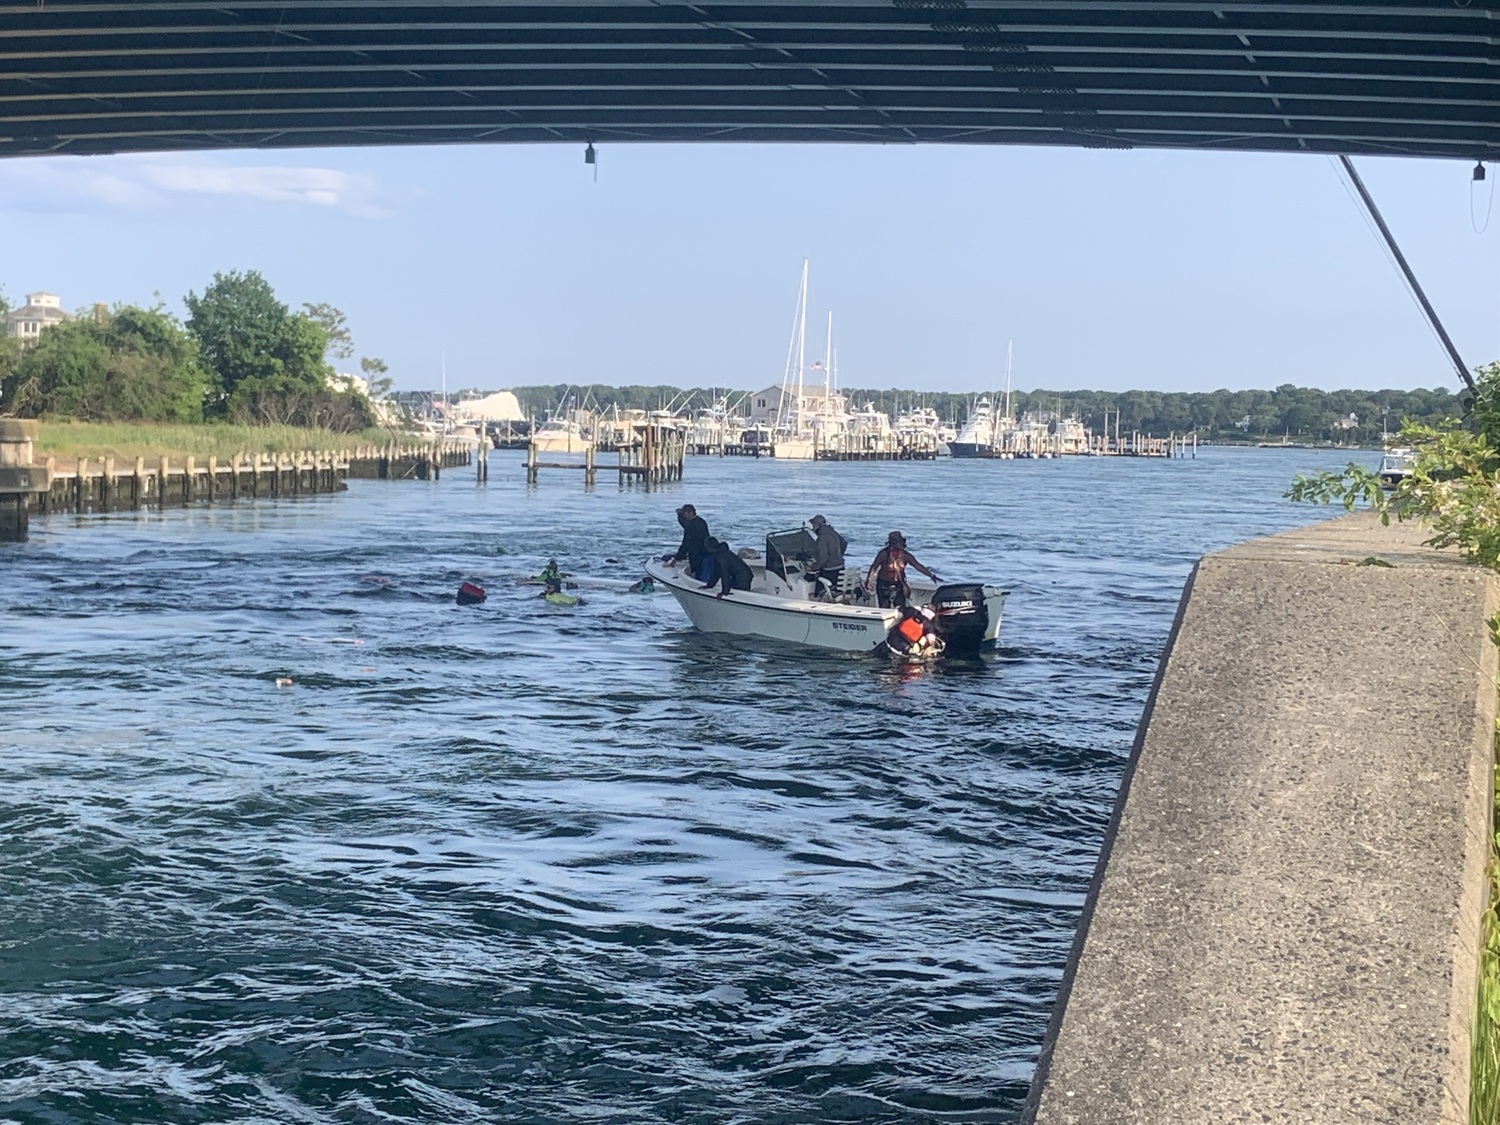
(1111, 270)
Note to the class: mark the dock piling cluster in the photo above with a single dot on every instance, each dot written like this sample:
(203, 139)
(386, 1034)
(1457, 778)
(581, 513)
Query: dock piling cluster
(20, 479)
(659, 456)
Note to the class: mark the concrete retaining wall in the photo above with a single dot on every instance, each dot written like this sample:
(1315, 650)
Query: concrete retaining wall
(1283, 926)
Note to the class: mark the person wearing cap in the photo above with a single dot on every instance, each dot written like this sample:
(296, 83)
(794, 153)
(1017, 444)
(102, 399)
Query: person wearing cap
(694, 546)
(828, 554)
(888, 572)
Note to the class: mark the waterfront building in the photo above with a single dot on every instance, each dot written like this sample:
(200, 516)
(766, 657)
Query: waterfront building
(41, 311)
(817, 402)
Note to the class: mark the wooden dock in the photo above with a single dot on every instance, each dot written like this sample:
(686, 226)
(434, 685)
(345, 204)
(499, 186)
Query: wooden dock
(876, 447)
(102, 485)
(1140, 445)
(658, 457)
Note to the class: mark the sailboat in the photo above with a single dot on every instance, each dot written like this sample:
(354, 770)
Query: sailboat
(793, 437)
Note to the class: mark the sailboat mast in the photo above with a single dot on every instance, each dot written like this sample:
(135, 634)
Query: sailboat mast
(1010, 354)
(828, 368)
(801, 343)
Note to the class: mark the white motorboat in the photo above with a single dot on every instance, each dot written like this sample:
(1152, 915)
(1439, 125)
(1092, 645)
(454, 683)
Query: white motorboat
(1395, 466)
(778, 604)
(977, 438)
(561, 435)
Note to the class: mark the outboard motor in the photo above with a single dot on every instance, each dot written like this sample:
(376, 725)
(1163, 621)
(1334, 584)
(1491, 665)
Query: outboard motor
(962, 617)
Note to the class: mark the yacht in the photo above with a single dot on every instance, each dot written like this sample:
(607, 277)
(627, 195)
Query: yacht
(561, 435)
(921, 428)
(977, 438)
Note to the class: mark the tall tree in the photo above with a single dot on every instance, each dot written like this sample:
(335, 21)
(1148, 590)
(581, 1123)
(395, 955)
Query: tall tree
(375, 370)
(129, 364)
(267, 360)
(335, 325)
(10, 361)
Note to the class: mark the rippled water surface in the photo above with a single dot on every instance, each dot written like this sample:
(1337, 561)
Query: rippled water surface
(525, 863)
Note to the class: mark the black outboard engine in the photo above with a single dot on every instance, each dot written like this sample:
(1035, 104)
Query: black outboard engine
(962, 617)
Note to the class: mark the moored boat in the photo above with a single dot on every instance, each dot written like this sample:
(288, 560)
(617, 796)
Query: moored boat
(561, 435)
(1395, 466)
(977, 438)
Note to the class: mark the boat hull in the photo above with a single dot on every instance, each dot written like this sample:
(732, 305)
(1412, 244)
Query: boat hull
(968, 449)
(794, 449)
(844, 628)
(557, 443)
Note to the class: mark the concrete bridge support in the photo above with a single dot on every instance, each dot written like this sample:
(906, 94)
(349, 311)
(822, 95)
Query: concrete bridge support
(1284, 923)
(19, 478)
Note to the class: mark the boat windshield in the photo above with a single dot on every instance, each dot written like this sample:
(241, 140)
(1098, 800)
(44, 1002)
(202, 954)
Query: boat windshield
(782, 547)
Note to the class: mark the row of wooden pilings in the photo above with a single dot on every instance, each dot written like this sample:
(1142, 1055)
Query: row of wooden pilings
(658, 457)
(876, 447)
(103, 485)
(1138, 444)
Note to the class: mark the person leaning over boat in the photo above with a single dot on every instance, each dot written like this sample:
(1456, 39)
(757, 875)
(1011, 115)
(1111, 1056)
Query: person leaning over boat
(694, 546)
(828, 554)
(888, 572)
(731, 571)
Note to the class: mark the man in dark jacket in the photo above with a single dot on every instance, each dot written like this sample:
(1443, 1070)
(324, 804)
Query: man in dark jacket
(733, 574)
(694, 538)
(828, 554)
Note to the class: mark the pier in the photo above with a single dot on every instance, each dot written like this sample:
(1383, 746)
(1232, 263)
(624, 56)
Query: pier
(658, 456)
(1137, 444)
(103, 485)
(1283, 925)
(876, 447)
(20, 479)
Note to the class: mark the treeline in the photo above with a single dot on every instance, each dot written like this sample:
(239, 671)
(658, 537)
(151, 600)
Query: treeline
(241, 356)
(1287, 411)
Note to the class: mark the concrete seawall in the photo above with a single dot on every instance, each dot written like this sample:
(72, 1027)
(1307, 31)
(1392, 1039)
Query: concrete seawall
(1284, 923)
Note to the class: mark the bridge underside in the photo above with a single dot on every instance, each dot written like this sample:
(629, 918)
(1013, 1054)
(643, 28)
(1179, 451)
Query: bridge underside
(88, 76)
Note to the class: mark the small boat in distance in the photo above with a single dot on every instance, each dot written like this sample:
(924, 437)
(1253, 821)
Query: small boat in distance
(778, 604)
(977, 438)
(561, 435)
(1395, 466)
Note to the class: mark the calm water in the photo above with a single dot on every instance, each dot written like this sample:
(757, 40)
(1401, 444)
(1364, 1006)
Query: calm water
(524, 863)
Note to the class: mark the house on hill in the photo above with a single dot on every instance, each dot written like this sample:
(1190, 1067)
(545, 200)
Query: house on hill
(40, 312)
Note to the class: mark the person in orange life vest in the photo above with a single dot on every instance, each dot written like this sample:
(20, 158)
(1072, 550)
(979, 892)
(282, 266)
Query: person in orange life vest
(888, 572)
